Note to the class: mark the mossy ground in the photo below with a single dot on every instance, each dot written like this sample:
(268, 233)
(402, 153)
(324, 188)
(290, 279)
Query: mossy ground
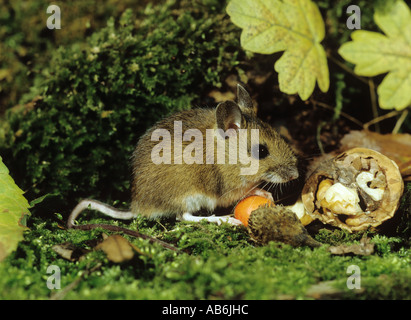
(216, 262)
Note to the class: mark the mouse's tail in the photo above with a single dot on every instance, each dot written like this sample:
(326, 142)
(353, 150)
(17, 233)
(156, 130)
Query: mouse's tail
(98, 206)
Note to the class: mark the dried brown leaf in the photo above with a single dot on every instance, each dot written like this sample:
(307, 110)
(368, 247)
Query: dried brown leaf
(364, 248)
(69, 251)
(117, 248)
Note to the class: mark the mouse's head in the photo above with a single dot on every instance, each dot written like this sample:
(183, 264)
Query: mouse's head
(276, 161)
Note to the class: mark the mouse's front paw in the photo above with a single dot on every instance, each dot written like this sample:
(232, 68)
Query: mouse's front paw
(262, 193)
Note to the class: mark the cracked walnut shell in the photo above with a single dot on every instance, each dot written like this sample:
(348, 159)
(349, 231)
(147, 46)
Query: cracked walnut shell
(358, 189)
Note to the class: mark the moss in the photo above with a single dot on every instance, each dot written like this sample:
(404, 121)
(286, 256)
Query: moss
(26, 44)
(218, 263)
(100, 96)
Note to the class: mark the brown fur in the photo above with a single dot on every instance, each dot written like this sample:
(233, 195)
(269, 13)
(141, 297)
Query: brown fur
(169, 189)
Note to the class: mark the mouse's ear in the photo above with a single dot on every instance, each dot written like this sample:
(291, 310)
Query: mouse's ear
(228, 116)
(243, 98)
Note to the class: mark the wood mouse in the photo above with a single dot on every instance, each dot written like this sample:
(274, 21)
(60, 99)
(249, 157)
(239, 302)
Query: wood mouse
(169, 181)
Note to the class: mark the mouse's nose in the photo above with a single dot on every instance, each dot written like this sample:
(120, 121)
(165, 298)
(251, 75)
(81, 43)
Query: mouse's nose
(294, 174)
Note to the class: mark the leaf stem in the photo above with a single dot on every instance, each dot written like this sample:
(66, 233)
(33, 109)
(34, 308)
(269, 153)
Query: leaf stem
(374, 107)
(400, 121)
(347, 69)
(380, 118)
(318, 136)
(345, 115)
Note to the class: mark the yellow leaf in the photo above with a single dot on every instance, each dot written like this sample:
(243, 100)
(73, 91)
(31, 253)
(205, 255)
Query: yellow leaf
(293, 26)
(374, 53)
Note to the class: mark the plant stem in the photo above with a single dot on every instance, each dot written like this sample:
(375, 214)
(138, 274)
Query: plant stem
(345, 115)
(400, 121)
(318, 136)
(380, 118)
(374, 103)
(345, 68)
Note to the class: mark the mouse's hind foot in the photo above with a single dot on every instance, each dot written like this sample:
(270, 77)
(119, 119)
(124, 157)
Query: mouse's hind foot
(214, 219)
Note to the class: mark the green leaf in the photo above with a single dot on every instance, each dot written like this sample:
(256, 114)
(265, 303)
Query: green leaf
(41, 199)
(374, 53)
(293, 26)
(13, 209)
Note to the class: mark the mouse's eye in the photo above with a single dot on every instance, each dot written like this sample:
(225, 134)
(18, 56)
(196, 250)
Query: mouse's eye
(259, 151)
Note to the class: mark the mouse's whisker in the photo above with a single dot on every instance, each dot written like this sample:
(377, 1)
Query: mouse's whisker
(274, 186)
(237, 188)
(271, 187)
(254, 187)
(266, 184)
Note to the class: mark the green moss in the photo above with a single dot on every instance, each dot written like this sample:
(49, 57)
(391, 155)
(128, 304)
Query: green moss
(218, 263)
(100, 96)
(26, 44)
(337, 236)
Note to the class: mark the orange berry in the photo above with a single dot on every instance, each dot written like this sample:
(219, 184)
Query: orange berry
(244, 208)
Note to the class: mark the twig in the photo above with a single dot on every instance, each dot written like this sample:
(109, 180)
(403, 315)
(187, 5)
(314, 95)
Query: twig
(318, 137)
(110, 211)
(345, 68)
(374, 103)
(129, 232)
(345, 115)
(61, 294)
(380, 118)
(400, 121)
